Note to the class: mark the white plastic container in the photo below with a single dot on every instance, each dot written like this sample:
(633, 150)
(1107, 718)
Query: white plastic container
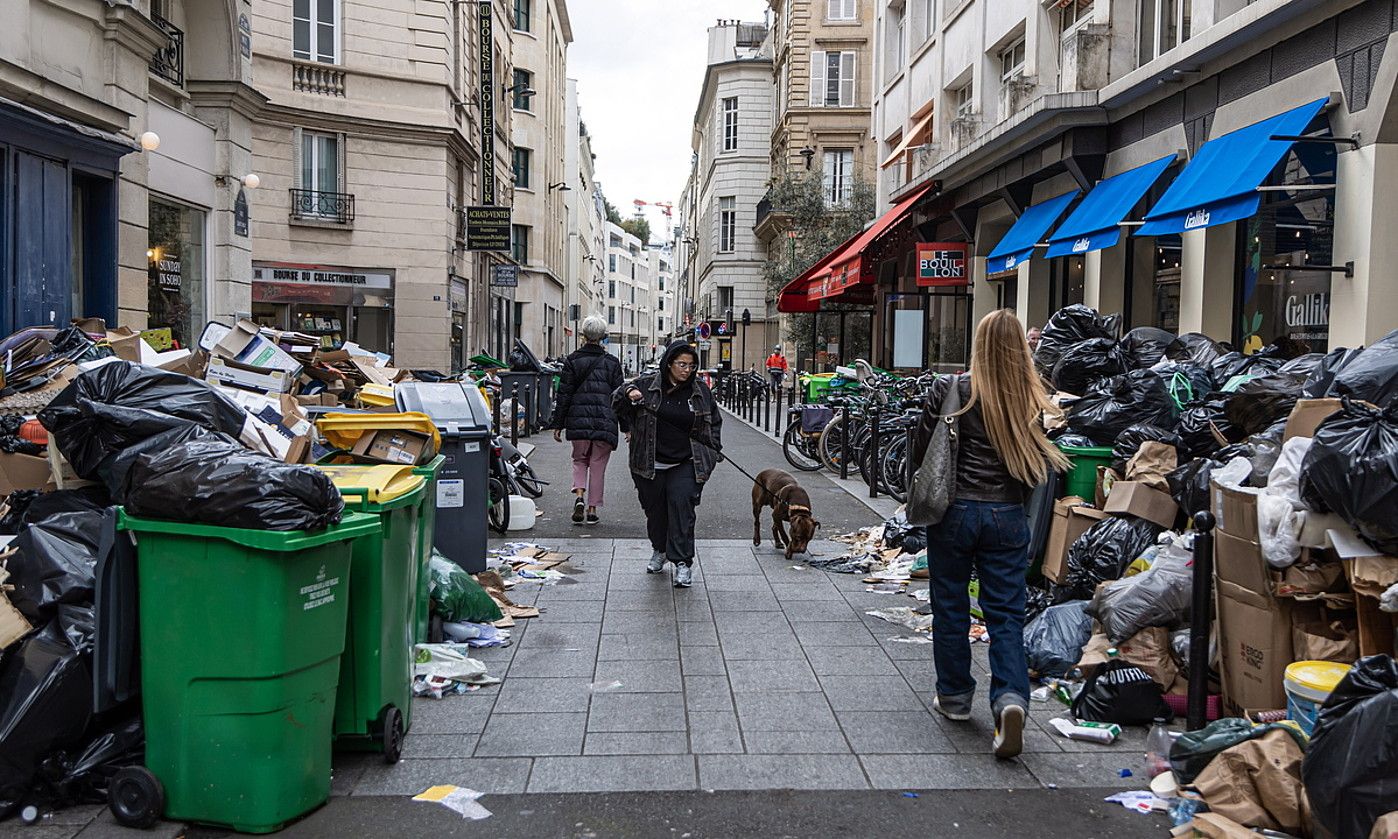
(521, 512)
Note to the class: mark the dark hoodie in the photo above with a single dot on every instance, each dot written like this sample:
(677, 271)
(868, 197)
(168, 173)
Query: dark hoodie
(690, 415)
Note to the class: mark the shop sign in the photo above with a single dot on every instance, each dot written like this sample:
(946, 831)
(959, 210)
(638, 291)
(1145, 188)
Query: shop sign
(456, 294)
(485, 48)
(240, 213)
(941, 264)
(1308, 316)
(487, 228)
(169, 272)
(321, 275)
(504, 276)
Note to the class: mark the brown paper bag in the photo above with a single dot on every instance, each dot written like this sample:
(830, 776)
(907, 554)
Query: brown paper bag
(1320, 641)
(1149, 649)
(1153, 461)
(1258, 784)
(1214, 826)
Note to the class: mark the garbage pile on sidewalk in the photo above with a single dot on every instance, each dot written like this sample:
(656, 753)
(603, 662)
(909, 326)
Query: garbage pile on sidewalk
(1296, 456)
(254, 495)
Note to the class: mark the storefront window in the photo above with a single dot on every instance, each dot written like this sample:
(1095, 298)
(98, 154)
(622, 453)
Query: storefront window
(1278, 297)
(176, 293)
(333, 304)
(1066, 279)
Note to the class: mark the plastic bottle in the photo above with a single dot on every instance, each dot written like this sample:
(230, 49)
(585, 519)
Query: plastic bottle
(1157, 748)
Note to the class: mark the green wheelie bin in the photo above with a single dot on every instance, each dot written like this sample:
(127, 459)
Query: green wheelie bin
(427, 526)
(241, 633)
(374, 705)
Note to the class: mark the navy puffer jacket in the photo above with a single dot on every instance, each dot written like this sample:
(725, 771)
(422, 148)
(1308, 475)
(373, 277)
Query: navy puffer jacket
(583, 407)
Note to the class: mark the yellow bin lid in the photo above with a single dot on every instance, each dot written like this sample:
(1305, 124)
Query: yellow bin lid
(376, 484)
(1317, 676)
(344, 430)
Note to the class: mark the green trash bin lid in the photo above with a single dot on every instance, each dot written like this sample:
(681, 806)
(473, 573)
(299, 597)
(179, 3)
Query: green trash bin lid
(352, 526)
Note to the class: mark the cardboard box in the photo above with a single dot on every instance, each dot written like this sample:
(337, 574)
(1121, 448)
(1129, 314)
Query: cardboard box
(1071, 519)
(1137, 499)
(1255, 647)
(1235, 510)
(1307, 577)
(1307, 416)
(245, 344)
(385, 446)
(1240, 562)
(223, 371)
(23, 471)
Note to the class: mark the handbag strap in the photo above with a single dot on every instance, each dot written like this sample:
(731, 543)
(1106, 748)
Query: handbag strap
(951, 402)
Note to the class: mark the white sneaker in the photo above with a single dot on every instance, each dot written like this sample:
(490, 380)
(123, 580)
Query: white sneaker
(656, 564)
(684, 576)
(1009, 732)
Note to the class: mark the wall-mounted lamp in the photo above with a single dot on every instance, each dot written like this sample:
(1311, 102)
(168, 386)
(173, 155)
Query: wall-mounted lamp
(561, 187)
(809, 154)
(521, 89)
(150, 141)
(249, 181)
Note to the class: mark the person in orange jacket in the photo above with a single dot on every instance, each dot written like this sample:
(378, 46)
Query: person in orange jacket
(776, 367)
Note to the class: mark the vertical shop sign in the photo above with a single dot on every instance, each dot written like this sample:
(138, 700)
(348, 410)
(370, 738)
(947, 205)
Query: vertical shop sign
(240, 213)
(487, 97)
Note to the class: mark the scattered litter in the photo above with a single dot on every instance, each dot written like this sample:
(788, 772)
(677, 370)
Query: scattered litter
(603, 687)
(885, 588)
(1140, 800)
(457, 799)
(903, 616)
(1040, 694)
(1125, 773)
(910, 795)
(903, 639)
(922, 595)
(1089, 732)
(445, 669)
(1051, 786)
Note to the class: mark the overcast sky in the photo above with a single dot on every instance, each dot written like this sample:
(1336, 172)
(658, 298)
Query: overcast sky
(639, 65)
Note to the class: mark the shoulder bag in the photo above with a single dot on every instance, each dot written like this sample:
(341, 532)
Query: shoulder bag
(934, 482)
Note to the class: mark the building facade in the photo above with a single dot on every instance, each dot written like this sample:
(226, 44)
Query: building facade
(999, 121)
(732, 150)
(585, 266)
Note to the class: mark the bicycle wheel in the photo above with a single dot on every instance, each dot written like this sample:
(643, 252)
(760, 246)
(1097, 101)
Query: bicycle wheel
(895, 470)
(529, 483)
(499, 513)
(799, 448)
(830, 444)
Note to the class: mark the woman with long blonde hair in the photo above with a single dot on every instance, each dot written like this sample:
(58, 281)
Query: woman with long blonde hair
(1002, 454)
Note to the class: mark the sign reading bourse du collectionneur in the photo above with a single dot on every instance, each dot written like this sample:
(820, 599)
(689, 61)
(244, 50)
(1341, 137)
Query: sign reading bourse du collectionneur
(942, 264)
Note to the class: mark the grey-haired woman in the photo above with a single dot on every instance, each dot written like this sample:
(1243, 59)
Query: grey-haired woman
(583, 409)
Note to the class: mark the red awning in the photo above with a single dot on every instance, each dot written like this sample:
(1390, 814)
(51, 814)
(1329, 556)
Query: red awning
(844, 267)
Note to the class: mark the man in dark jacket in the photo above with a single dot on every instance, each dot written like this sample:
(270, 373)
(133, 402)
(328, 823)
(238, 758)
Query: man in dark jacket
(583, 408)
(674, 424)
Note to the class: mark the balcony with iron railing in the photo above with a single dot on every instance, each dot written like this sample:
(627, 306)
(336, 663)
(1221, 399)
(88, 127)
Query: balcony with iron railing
(168, 61)
(316, 205)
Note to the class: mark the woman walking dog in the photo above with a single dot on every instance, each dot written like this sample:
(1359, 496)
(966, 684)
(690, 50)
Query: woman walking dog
(673, 424)
(584, 410)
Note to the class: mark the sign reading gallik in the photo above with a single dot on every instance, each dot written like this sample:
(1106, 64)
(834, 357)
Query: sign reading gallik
(487, 228)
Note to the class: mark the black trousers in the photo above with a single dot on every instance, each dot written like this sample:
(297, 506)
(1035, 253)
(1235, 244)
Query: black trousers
(670, 501)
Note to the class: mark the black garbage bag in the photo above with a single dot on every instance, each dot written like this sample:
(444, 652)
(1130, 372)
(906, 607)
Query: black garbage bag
(1195, 750)
(1075, 440)
(116, 470)
(1197, 424)
(11, 442)
(1320, 383)
(1186, 382)
(1230, 365)
(915, 540)
(1123, 693)
(1193, 348)
(54, 563)
(895, 529)
(45, 704)
(1350, 469)
(1351, 768)
(82, 776)
(76, 345)
(1259, 403)
(1037, 598)
(1373, 374)
(1054, 641)
(1145, 346)
(1303, 365)
(1069, 326)
(1102, 553)
(1118, 403)
(1189, 484)
(1158, 596)
(88, 499)
(1131, 439)
(16, 504)
(1180, 642)
(119, 404)
(1083, 364)
(215, 480)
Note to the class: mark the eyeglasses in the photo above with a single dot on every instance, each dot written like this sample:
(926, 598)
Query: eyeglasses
(684, 365)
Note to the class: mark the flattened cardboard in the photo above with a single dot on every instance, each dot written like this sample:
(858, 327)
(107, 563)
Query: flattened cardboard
(245, 344)
(223, 371)
(1071, 519)
(1137, 499)
(391, 446)
(1255, 647)
(1235, 510)
(1240, 562)
(23, 471)
(1307, 416)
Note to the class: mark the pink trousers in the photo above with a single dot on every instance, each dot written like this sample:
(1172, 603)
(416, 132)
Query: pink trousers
(590, 468)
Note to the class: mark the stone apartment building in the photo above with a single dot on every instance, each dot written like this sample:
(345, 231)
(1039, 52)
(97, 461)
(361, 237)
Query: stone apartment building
(1008, 128)
(732, 165)
(585, 264)
(627, 297)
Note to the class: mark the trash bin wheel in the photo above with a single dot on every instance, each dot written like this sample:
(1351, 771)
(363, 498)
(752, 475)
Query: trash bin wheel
(392, 735)
(136, 797)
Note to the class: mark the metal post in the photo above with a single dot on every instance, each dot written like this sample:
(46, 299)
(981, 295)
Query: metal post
(767, 411)
(844, 443)
(497, 397)
(909, 467)
(874, 455)
(1201, 612)
(514, 414)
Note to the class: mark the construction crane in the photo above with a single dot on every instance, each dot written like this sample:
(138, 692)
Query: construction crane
(665, 207)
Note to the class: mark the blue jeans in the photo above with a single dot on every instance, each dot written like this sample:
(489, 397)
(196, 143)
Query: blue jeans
(993, 538)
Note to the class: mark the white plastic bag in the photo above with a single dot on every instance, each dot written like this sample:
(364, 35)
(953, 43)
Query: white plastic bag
(1279, 526)
(1285, 478)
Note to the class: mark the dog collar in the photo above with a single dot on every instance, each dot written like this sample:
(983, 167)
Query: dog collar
(798, 508)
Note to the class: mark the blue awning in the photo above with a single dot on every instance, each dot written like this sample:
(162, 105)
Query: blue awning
(1220, 184)
(1095, 224)
(1018, 243)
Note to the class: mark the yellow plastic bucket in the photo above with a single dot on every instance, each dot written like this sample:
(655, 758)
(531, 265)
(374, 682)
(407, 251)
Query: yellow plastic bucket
(1308, 684)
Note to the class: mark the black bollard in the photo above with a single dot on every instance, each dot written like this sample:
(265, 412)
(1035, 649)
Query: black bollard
(781, 417)
(1200, 614)
(874, 455)
(767, 410)
(844, 443)
(514, 415)
(497, 394)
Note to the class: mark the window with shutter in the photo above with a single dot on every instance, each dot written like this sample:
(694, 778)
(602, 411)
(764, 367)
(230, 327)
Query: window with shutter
(818, 78)
(846, 94)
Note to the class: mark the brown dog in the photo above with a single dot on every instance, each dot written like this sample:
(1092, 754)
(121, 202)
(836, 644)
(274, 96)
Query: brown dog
(790, 505)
